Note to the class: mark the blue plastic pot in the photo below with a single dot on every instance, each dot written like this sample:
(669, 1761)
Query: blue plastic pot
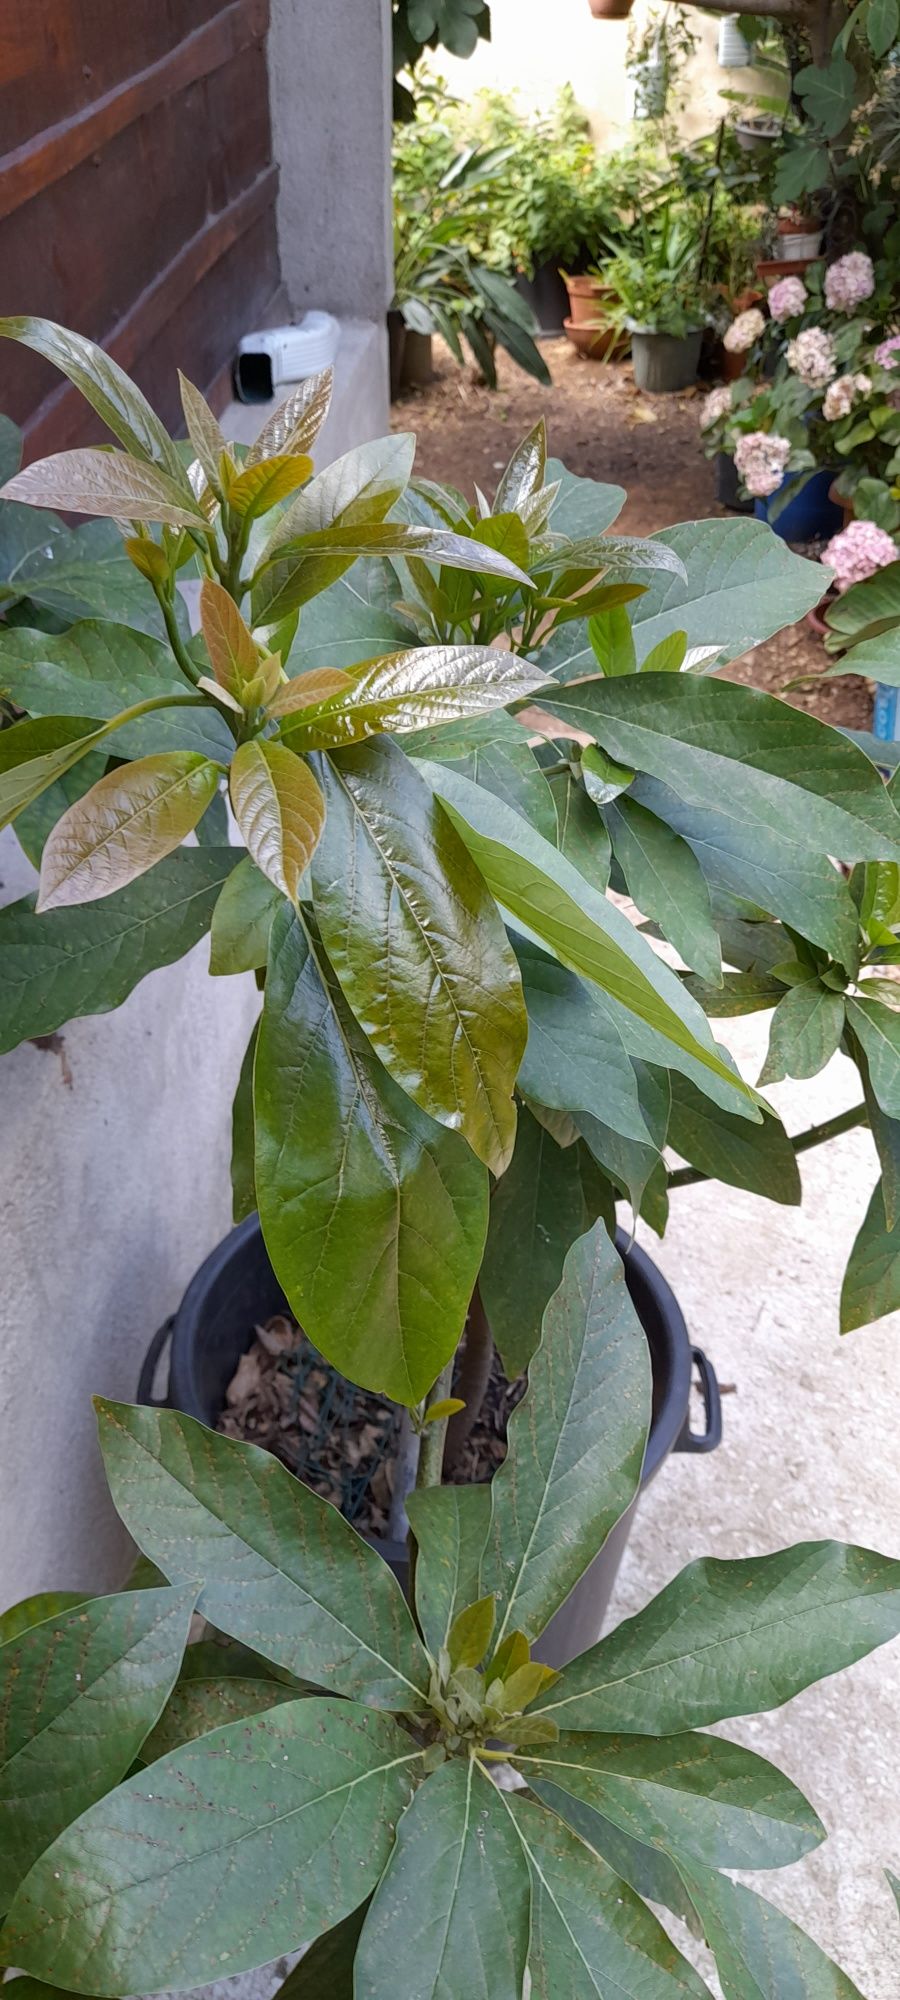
(809, 514)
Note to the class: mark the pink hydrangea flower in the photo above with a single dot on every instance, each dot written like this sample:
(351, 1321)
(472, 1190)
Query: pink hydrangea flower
(811, 355)
(841, 395)
(744, 330)
(761, 458)
(849, 281)
(787, 299)
(717, 404)
(886, 353)
(858, 551)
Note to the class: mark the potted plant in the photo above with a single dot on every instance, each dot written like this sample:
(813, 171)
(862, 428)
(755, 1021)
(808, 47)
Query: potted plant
(543, 210)
(656, 57)
(471, 866)
(656, 292)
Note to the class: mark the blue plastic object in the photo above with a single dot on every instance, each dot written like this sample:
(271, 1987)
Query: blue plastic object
(810, 513)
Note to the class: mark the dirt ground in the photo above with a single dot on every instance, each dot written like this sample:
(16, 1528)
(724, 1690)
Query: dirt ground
(604, 428)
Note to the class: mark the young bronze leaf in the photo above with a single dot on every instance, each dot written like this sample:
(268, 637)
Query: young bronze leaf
(103, 384)
(414, 690)
(279, 809)
(82, 1690)
(229, 642)
(308, 690)
(576, 1441)
(104, 482)
(284, 1572)
(296, 423)
(133, 818)
(252, 1839)
(450, 1915)
(203, 429)
(34, 753)
(374, 1215)
(419, 946)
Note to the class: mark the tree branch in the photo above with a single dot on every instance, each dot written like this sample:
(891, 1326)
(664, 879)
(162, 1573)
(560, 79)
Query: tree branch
(801, 11)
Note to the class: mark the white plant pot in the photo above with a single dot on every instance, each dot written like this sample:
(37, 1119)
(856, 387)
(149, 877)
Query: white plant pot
(792, 248)
(734, 50)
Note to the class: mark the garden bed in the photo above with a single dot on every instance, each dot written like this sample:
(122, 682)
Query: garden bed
(605, 429)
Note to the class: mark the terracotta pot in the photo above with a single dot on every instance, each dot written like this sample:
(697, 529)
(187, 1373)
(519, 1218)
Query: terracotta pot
(815, 618)
(770, 268)
(596, 339)
(610, 10)
(586, 296)
(731, 366)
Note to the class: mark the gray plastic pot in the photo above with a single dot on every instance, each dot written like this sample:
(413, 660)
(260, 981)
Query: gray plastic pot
(663, 363)
(236, 1288)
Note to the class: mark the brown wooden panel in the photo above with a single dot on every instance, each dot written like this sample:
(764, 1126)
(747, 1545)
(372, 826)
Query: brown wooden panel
(58, 56)
(175, 200)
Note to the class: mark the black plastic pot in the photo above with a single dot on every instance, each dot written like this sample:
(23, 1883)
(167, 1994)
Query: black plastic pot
(236, 1288)
(728, 485)
(546, 294)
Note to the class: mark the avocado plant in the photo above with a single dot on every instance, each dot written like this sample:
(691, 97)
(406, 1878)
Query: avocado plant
(446, 731)
(407, 1790)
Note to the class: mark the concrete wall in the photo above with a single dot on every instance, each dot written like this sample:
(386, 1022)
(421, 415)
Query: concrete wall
(535, 49)
(114, 1185)
(330, 94)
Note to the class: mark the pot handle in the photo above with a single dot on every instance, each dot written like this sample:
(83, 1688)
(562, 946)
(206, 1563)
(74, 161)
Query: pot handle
(712, 1436)
(160, 1340)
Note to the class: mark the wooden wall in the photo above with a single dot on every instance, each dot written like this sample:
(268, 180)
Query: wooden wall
(137, 194)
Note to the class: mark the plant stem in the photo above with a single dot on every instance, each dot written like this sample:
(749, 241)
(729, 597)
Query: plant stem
(474, 1376)
(431, 1453)
(186, 664)
(803, 1142)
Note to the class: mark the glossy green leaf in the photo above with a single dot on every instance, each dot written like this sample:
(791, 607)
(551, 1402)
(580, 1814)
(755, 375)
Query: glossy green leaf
(133, 818)
(284, 1572)
(357, 490)
(374, 1216)
(760, 1954)
(470, 1633)
(806, 1030)
(667, 656)
(204, 431)
(666, 882)
(296, 423)
(646, 1869)
(35, 754)
(732, 1638)
(759, 1158)
(604, 779)
(59, 966)
(583, 928)
(243, 1138)
(306, 691)
(272, 1829)
(722, 746)
(88, 481)
(97, 670)
(576, 1441)
(894, 1885)
(697, 1796)
(104, 385)
(630, 1163)
(582, 836)
(743, 585)
(739, 993)
(537, 1211)
(525, 473)
(81, 1692)
(591, 1936)
(758, 865)
(493, 750)
(878, 1029)
(351, 622)
(828, 91)
(394, 886)
(575, 1059)
(468, 1932)
(507, 535)
(871, 1286)
(196, 1706)
(33, 1611)
(84, 572)
(242, 921)
(325, 1972)
(583, 506)
(279, 810)
(611, 642)
(414, 690)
